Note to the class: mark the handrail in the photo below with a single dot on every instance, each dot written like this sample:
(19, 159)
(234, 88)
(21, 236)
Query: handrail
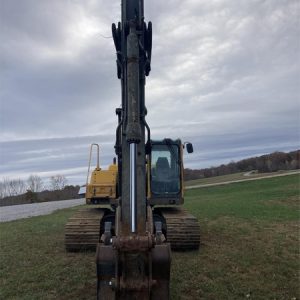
(90, 158)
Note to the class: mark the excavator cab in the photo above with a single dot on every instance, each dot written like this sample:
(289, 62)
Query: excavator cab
(165, 172)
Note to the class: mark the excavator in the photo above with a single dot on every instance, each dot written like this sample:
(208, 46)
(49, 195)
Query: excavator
(134, 214)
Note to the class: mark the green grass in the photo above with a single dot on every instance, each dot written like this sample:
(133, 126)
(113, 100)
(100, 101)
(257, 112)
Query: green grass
(250, 242)
(231, 177)
(271, 199)
(249, 249)
(34, 264)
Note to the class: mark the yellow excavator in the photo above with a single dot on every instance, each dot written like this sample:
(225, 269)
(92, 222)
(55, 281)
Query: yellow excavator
(134, 215)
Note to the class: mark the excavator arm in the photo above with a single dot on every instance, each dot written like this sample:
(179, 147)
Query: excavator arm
(133, 263)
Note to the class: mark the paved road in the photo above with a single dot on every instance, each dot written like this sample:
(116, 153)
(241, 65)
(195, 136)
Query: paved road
(14, 212)
(239, 180)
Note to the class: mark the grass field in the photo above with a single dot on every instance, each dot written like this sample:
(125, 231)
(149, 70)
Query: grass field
(249, 250)
(235, 176)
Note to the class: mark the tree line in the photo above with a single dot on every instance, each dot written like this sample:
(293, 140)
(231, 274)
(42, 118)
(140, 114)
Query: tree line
(263, 164)
(35, 189)
(34, 184)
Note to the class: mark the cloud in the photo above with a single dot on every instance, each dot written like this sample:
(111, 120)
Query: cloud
(225, 75)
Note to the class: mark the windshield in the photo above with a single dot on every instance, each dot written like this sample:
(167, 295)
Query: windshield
(165, 169)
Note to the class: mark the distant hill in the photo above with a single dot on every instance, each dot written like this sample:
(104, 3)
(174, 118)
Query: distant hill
(266, 163)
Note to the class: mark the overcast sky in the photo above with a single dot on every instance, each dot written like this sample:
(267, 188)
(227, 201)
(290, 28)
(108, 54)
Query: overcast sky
(225, 76)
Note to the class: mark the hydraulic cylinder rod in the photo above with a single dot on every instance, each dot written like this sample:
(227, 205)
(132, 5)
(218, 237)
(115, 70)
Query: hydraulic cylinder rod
(133, 126)
(133, 203)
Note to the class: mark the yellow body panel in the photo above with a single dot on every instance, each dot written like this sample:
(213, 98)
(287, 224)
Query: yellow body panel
(103, 184)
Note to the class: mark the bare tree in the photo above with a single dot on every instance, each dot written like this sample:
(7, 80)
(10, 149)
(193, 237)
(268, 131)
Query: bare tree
(11, 187)
(2, 190)
(17, 187)
(21, 186)
(4, 187)
(58, 182)
(35, 183)
(7, 189)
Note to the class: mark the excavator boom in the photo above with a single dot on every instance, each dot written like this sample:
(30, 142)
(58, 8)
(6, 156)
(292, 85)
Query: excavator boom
(129, 263)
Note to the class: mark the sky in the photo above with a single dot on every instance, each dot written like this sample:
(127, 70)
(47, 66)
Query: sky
(225, 76)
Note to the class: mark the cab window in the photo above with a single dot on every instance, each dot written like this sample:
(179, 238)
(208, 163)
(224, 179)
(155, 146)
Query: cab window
(165, 169)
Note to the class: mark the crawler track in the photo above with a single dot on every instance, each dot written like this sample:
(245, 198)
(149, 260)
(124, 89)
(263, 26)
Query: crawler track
(183, 230)
(83, 229)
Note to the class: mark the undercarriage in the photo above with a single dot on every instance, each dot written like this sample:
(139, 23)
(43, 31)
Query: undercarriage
(84, 229)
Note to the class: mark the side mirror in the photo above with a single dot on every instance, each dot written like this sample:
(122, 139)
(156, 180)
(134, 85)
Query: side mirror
(189, 148)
